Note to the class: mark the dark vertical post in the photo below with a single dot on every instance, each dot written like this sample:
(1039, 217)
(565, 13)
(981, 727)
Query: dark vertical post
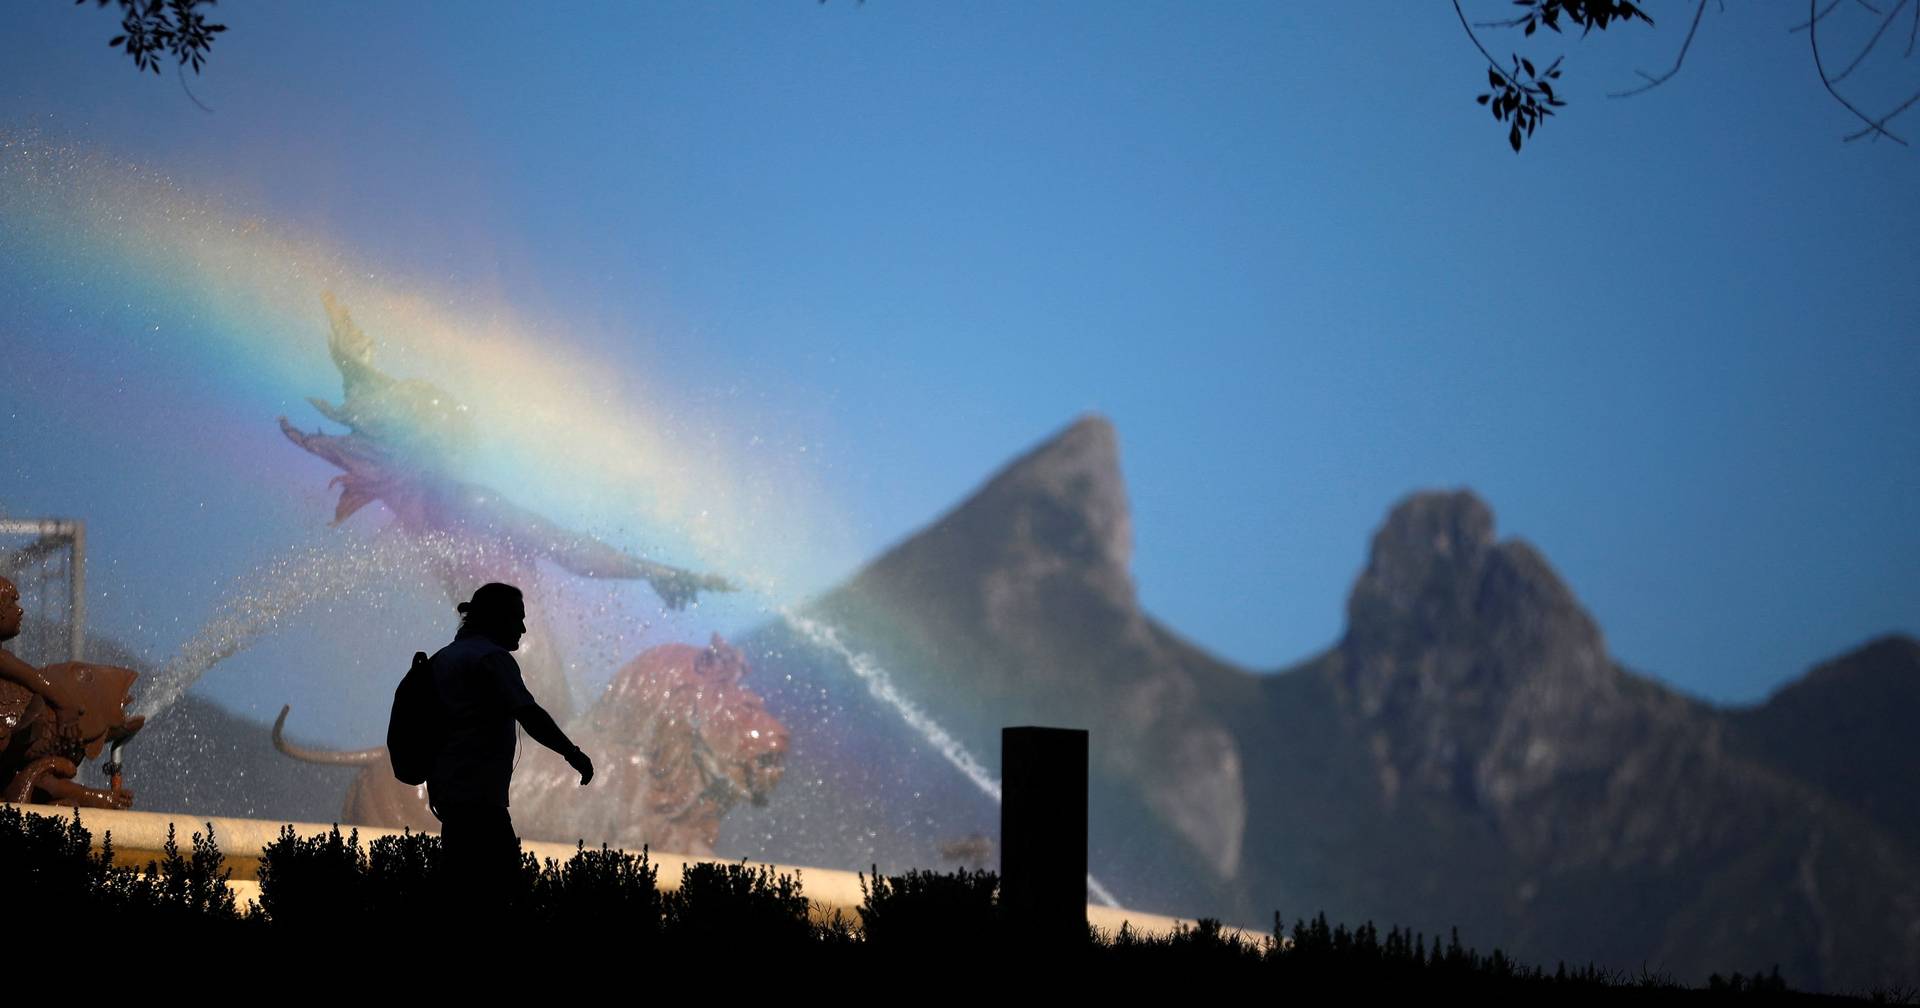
(1043, 833)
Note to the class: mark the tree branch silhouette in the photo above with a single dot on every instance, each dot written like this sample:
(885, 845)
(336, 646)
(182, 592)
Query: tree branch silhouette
(151, 28)
(1590, 15)
(1873, 128)
(1520, 102)
(1885, 23)
(1678, 60)
(182, 74)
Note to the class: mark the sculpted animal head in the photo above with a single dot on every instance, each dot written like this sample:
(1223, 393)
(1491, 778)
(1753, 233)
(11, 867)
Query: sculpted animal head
(104, 691)
(677, 740)
(703, 717)
(743, 743)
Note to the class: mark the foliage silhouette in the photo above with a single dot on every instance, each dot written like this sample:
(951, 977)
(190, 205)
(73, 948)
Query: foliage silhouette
(734, 902)
(53, 870)
(1523, 99)
(316, 883)
(930, 908)
(151, 28)
(608, 893)
(328, 881)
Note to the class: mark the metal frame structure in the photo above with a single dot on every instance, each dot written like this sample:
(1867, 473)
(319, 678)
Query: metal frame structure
(52, 534)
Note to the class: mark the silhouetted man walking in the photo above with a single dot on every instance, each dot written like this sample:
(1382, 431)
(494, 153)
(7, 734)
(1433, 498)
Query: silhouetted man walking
(482, 696)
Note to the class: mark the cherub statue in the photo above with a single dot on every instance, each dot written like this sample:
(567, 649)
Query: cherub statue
(54, 718)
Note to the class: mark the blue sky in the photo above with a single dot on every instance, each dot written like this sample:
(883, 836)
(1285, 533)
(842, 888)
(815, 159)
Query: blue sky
(1672, 344)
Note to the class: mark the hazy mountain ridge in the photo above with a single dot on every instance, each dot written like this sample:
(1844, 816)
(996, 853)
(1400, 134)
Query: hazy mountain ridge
(1023, 596)
(1832, 721)
(1468, 753)
(1627, 828)
(1001, 612)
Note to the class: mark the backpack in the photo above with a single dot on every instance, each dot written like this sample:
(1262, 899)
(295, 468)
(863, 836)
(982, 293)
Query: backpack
(417, 729)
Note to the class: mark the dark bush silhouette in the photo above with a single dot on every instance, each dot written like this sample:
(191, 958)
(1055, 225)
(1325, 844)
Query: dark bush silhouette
(609, 894)
(609, 899)
(50, 863)
(317, 883)
(738, 904)
(402, 871)
(179, 889)
(50, 867)
(930, 909)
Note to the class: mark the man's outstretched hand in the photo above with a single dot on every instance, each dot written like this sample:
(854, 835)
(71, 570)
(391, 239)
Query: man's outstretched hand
(578, 760)
(539, 724)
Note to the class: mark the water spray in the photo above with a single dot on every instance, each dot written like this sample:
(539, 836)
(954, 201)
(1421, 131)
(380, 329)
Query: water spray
(880, 685)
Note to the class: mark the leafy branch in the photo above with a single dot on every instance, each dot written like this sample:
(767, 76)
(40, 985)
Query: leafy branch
(1521, 99)
(1520, 96)
(150, 29)
(1583, 14)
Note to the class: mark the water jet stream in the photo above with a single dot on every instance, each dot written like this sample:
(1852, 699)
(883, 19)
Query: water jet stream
(285, 588)
(880, 685)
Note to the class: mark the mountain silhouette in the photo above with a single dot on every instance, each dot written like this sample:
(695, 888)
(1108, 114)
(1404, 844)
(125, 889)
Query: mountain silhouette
(1562, 805)
(1845, 728)
(1017, 607)
(1467, 754)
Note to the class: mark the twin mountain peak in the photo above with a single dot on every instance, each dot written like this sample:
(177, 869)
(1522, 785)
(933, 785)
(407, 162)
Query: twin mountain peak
(1468, 748)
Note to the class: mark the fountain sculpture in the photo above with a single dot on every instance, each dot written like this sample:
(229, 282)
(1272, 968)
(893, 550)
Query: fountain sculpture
(681, 738)
(401, 434)
(52, 719)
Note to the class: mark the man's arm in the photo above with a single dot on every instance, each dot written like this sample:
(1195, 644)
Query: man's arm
(539, 724)
(533, 717)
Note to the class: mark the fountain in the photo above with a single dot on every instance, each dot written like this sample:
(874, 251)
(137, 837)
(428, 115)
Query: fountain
(55, 718)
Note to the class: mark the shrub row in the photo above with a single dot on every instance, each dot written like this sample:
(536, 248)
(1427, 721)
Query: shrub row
(608, 901)
(54, 878)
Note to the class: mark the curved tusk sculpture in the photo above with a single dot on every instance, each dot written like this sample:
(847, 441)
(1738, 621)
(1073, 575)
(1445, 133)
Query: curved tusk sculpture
(329, 757)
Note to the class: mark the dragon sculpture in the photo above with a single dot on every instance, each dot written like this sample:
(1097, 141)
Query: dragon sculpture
(678, 739)
(401, 436)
